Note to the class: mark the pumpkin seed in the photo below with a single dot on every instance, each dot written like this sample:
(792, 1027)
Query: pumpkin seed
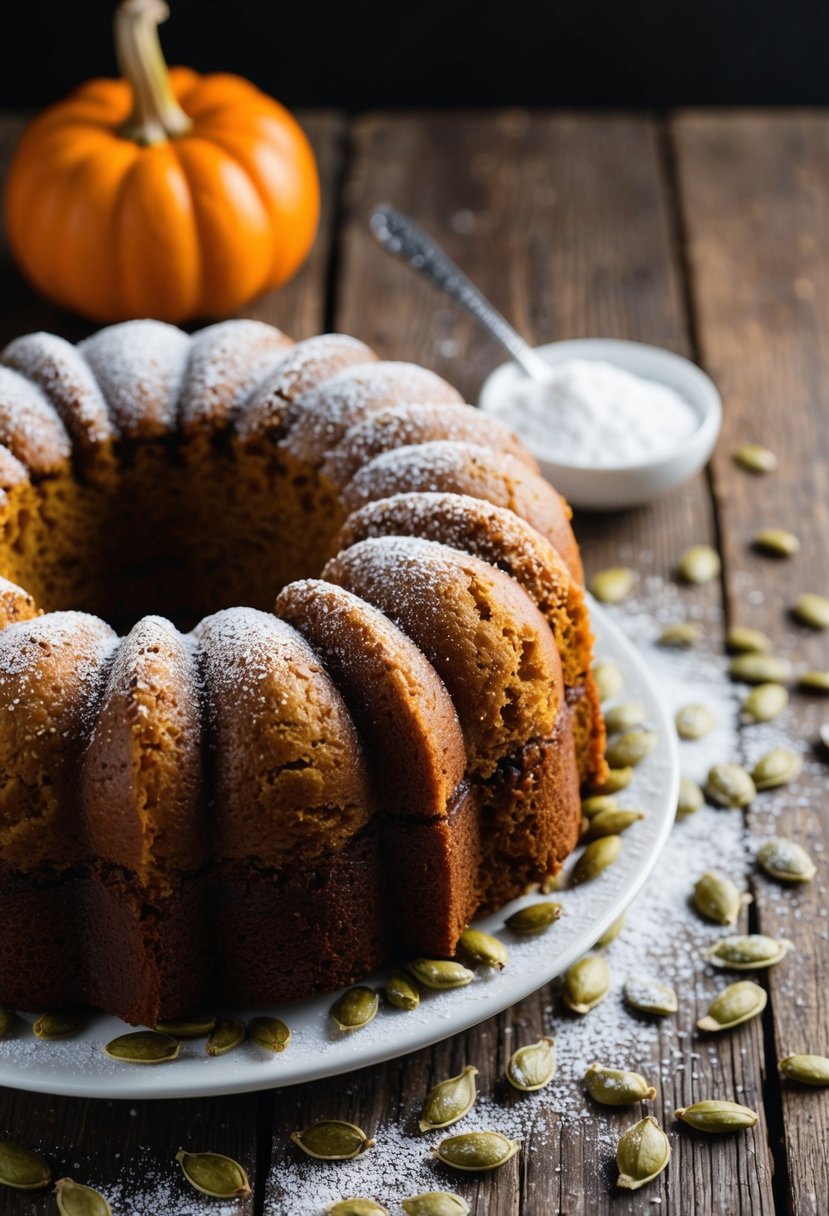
(786, 860)
(56, 1025)
(476, 1150)
(814, 681)
(717, 1116)
(631, 748)
(534, 918)
(681, 635)
(718, 899)
(748, 952)
(755, 458)
(812, 610)
(435, 1203)
(332, 1140)
(807, 1069)
(596, 858)
(440, 973)
(610, 934)
(7, 1017)
(765, 702)
(402, 992)
(699, 564)
(742, 640)
(616, 1086)
(186, 1028)
(586, 983)
(649, 995)
(690, 798)
(225, 1035)
(694, 721)
(730, 785)
(22, 1168)
(642, 1154)
(609, 679)
(598, 803)
(759, 668)
(73, 1199)
(214, 1175)
(736, 1004)
(624, 716)
(355, 1008)
(532, 1067)
(824, 735)
(270, 1033)
(358, 1207)
(143, 1047)
(617, 779)
(776, 767)
(449, 1100)
(776, 542)
(611, 823)
(483, 948)
(613, 585)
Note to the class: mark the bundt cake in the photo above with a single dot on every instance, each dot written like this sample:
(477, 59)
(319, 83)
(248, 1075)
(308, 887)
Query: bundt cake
(370, 718)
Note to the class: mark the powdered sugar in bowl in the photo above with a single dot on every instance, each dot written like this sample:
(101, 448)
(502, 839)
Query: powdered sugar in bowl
(618, 424)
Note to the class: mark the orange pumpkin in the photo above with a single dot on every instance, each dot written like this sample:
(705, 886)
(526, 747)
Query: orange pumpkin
(163, 194)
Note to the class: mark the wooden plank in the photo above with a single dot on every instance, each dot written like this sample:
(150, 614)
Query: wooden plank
(754, 188)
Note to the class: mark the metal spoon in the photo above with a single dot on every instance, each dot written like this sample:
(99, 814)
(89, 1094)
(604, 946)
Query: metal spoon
(401, 235)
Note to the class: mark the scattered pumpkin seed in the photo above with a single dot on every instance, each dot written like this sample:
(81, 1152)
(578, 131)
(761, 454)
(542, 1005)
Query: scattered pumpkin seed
(270, 1033)
(532, 1067)
(824, 735)
(440, 973)
(435, 1203)
(186, 1028)
(717, 1116)
(812, 610)
(807, 1069)
(748, 952)
(616, 1086)
(699, 564)
(609, 679)
(332, 1140)
(483, 948)
(22, 1168)
(786, 860)
(534, 918)
(402, 992)
(759, 668)
(624, 716)
(225, 1035)
(681, 635)
(642, 1154)
(742, 640)
(613, 585)
(765, 702)
(596, 858)
(586, 983)
(755, 458)
(58, 1025)
(7, 1017)
(631, 748)
(143, 1047)
(648, 995)
(736, 1004)
(355, 1008)
(776, 542)
(776, 767)
(476, 1150)
(214, 1175)
(449, 1100)
(690, 798)
(718, 899)
(611, 823)
(73, 1199)
(358, 1207)
(730, 785)
(617, 779)
(598, 803)
(610, 934)
(814, 681)
(694, 721)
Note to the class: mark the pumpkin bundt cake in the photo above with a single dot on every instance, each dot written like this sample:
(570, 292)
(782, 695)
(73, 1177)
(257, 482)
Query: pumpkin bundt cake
(265, 801)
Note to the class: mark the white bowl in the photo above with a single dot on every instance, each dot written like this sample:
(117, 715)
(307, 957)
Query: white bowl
(592, 488)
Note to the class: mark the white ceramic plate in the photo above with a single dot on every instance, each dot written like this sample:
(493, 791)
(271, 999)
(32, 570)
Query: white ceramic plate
(78, 1067)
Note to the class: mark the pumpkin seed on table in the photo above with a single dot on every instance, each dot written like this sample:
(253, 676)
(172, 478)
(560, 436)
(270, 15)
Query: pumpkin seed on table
(440, 973)
(586, 983)
(765, 702)
(806, 1069)
(332, 1140)
(646, 994)
(355, 1008)
(690, 798)
(740, 639)
(777, 542)
(718, 899)
(812, 610)
(401, 992)
(143, 1047)
(642, 1154)
(631, 748)
(598, 803)
(595, 859)
(435, 1203)
(483, 948)
(57, 1025)
(609, 679)
(617, 779)
(611, 823)
(616, 1086)
(759, 668)
(699, 564)
(748, 952)
(214, 1175)
(610, 934)
(814, 681)
(715, 1116)
(776, 767)
(532, 1067)
(681, 635)
(74, 1199)
(755, 458)
(613, 585)
(7, 1017)
(736, 1004)
(22, 1168)
(449, 1100)
(729, 785)
(476, 1150)
(270, 1033)
(225, 1035)
(624, 716)
(534, 918)
(786, 860)
(186, 1028)
(694, 721)
(357, 1207)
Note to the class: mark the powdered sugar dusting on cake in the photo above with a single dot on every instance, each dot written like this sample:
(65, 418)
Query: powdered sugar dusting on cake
(433, 466)
(59, 370)
(227, 362)
(139, 366)
(29, 425)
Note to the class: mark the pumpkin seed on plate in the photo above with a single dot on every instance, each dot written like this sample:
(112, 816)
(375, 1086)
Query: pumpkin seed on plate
(449, 1100)
(73, 1199)
(143, 1047)
(755, 458)
(642, 1154)
(613, 585)
(440, 973)
(22, 1168)
(624, 716)
(646, 994)
(598, 803)
(717, 1116)
(586, 983)
(814, 681)
(736, 1004)
(483, 948)
(534, 918)
(610, 934)
(631, 748)
(186, 1028)
(699, 564)
(748, 952)
(476, 1150)
(214, 1175)
(332, 1140)
(616, 1086)
(59, 1025)
(694, 721)
(776, 767)
(806, 1069)
(742, 640)
(609, 679)
(681, 635)
(435, 1203)
(617, 779)
(357, 1207)
(402, 992)
(595, 859)
(812, 610)
(786, 860)
(532, 1067)
(759, 668)
(690, 798)
(611, 823)
(718, 899)
(765, 702)
(225, 1035)
(730, 785)
(270, 1033)
(776, 542)
(355, 1008)
(7, 1017)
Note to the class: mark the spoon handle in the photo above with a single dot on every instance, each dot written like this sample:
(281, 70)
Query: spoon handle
(402, 236)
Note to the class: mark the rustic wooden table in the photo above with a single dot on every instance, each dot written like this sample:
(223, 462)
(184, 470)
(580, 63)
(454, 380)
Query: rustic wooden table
(707, 234)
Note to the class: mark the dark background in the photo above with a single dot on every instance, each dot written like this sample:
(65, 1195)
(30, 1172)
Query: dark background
(653, 53)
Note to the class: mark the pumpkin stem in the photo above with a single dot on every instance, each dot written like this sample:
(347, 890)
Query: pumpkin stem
(156, 115)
